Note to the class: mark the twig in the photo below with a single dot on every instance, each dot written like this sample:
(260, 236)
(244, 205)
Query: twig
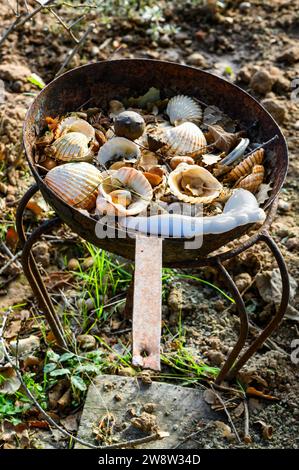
(247, 437)
(75, 50)
(64, 25)
(9, 253)
(227, 414)
(3, 269)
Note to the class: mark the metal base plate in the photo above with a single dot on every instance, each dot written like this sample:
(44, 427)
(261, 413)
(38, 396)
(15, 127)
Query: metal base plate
(177, 410)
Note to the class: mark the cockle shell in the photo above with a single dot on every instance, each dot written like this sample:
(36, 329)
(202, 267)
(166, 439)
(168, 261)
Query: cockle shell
(253, 181)
(175, 161)
(245, 167)
(71, 147)
(185, 139)
(75, 183)
(74, 124)
(182, 108)
(118, 148)
(130, 180)
(194, 184)
(241, 209)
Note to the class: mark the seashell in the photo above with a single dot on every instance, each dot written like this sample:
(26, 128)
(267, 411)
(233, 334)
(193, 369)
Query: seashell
(74, 124)
(175, 161)
(71, 147)
(241, 209)
(130, 180)
(182, 108)
(115, 107)
(154, 175)
(185, 139)
(121, 196)
(116, 148)
(120, 164)
(245, 167)
(129, 124)
(45, 139)
(194, 184)
(253, 181)
(147, 160)
(100, 137)
(236, 153)
(75, 183)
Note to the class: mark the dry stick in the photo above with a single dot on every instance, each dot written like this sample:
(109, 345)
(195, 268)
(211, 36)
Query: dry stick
(3, 269)
(247, 437)
(119, 445)
(8, 252)
(75, 50)
(64, 25)
(227, 414)
(22, 19)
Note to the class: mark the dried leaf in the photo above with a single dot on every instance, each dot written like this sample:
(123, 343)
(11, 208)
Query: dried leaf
(223, 427)
(70, 423)
(253, 392)
(9, 382)
(222, 140)
(263, 193)
(269, 285)
(39, 424)
(34, 207)
(12, 238)
(210, 159)
(13, 329)
(239, 410)
(210, 397)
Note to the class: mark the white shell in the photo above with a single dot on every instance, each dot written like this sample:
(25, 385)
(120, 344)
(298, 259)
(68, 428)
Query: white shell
(194, 184)
(182, 108)
(75, 183)
(71, 147)
(241, 209)
(118, 147)
(129, 179)
(185, 139)
(74, 124)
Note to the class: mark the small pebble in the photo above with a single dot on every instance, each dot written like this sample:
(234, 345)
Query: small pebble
(284, 206)
(244, 6)
(86, 342)
(73, 264)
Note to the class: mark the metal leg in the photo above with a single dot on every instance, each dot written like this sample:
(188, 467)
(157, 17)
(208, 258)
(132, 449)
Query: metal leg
(243, 323)
(273, 324)
(31, 270)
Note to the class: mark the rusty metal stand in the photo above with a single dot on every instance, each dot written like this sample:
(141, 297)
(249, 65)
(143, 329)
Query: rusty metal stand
(235, 360)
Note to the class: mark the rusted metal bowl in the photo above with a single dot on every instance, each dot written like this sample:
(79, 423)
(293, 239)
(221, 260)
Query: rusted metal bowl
(96, 84)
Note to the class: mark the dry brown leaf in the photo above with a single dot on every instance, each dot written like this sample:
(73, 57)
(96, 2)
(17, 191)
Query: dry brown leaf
(34, 207)
(239, 410)
(222, 140)
(253, 392)
(224, 428)
(12, 238)
(13, 329)
(70, 423)
(9, 381)
(39, 424)
(210, 159)
(210, 397)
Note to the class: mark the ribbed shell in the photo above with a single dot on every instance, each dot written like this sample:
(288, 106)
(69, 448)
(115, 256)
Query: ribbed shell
(244, 168)
(71, 147)
(74, 124)
(185, 139)
(187, 180)
(116, 148)
(253, 181)
(182, 108)
(127, 178)
(75, 183)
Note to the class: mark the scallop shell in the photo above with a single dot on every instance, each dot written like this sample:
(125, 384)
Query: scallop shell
(245, 167)
(74, 124)
(117, 148)
(128, 179)
(185, 139)
(182, 108)
(71, 147)
(194, 184)
(75, 183)
(253, 181)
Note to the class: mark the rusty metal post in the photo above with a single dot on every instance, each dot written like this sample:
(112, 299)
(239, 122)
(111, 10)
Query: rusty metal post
(147, 302)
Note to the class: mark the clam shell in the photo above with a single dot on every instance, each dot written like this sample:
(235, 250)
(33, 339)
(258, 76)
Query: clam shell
(194, 184)
(118, 148)
(185, 139)
(71, 147)
(130, 180)
(182, 108)
(175, 161)
(74, 124)
(75, 183)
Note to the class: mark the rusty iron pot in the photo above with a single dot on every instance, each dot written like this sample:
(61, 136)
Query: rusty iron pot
(95, 84)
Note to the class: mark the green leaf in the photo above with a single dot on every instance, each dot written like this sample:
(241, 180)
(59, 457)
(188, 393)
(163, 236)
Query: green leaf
(87, 368)
(78, 383)
(49, 367)
(66, 356)
(36, 80)
(52, 356)
(59, 372)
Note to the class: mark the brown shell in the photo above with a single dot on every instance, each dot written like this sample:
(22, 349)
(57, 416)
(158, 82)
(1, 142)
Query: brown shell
(244, 167)
(175, 161)
(253, 181)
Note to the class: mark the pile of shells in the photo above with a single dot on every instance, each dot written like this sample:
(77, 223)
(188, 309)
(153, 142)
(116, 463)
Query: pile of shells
(126, 161)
